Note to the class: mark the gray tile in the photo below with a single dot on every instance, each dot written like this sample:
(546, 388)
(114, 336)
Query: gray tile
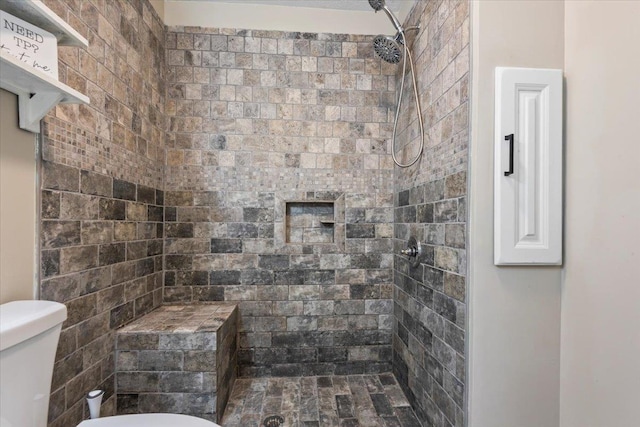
(60, 177)
(317, 401)
(56, 234)
(96, 184)
(382, 405)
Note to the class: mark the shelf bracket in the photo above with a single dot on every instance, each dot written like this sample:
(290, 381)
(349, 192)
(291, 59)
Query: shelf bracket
(34, 108)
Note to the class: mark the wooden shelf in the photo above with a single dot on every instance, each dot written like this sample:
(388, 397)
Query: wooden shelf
(38, 14)
(38, 92)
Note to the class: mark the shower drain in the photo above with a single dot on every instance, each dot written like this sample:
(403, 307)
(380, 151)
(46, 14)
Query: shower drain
(273, 421)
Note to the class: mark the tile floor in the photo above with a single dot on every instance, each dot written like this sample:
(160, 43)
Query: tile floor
(340, 401)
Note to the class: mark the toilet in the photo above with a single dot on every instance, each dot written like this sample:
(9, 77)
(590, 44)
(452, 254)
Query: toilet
(29, 332)
(148, 420)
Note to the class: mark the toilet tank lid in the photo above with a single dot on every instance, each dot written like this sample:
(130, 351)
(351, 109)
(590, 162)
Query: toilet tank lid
(21, 320)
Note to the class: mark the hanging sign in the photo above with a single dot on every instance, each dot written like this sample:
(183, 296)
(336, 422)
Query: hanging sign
(30, 44)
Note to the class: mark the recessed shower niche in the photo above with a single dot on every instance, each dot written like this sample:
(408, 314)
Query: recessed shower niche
(310, 222)
(317, 218)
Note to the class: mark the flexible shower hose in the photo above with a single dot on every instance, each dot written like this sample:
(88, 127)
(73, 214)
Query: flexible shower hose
(407, 54)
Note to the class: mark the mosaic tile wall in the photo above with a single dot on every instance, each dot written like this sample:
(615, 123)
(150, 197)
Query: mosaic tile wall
(259, 119)
(102, 213)
(121, 133)
(430, 204)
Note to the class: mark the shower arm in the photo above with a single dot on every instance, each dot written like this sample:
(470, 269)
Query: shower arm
(400, 35)
(393, 19)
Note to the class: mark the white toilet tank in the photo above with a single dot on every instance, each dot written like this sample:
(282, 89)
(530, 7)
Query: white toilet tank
(29, 332)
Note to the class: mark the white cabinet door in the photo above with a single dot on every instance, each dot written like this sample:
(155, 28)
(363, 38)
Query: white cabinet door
(528, 167)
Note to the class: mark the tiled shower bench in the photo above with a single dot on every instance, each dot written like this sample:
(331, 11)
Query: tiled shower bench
(179, 359)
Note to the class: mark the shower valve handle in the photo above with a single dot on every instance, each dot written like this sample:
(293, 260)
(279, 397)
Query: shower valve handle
(414, 251)
(410, 252)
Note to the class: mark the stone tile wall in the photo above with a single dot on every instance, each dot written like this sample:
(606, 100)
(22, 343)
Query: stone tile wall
(101, 241)
(430, 204)
(122, 132)
(258, 119)
(102, 213)
(178, 359)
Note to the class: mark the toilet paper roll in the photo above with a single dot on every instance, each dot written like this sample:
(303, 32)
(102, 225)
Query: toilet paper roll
(94, 400)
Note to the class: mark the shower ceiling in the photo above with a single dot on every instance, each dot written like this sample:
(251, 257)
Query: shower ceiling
(312, 16)
(395, 5)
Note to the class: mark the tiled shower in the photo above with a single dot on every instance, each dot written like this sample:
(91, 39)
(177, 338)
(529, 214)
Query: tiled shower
(254, 167)
(278, 194)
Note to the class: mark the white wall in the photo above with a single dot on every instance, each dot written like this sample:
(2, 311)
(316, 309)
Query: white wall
(17, 204)
(514, 312)
(514, 376)
(158, 5)
(600, 370)
(278, 18)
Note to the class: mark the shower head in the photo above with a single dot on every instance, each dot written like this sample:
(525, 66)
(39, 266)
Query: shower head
(377, 4)
(388, 48)
(392, 50)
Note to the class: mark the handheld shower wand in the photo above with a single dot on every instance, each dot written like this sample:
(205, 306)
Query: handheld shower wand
(391, 50)
(379, 5)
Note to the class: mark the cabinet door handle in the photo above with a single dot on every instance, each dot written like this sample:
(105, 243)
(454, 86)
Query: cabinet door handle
(510, 139)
